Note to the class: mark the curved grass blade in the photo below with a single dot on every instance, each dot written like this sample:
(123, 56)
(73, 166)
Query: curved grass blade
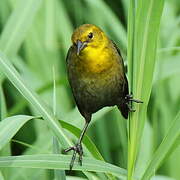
(52, 161)
(10, 126)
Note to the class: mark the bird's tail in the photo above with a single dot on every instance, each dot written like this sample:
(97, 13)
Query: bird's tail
(124, 110)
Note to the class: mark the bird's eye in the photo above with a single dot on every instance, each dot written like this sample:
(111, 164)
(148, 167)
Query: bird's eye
(90, 35)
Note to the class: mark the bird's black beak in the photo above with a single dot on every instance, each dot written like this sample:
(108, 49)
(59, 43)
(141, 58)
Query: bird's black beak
(80, 46)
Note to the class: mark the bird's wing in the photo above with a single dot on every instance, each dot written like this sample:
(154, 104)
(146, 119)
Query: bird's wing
(117, 48)
(123, 107)
(121, 59)
(119, 52)
(126, 90)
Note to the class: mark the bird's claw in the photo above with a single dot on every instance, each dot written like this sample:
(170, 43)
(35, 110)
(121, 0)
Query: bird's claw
(130, 108)
(129, 98)
(77, 149)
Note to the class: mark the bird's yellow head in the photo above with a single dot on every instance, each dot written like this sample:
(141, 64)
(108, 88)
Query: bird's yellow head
(88, 36)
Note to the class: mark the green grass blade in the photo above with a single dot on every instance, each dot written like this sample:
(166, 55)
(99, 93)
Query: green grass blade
(17, 25)
(7, 68)
(10, 126)
(169, 143)
(49, 161)
(130, 57)
(148, 15)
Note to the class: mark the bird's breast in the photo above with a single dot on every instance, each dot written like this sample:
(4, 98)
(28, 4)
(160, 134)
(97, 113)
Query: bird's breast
(94, 61)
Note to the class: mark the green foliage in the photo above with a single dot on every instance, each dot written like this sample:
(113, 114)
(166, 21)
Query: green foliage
(35, 36)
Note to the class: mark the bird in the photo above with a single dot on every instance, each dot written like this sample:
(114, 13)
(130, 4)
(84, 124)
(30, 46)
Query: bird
(96, 75)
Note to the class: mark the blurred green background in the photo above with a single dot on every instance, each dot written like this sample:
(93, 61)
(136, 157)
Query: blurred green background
(41, 33)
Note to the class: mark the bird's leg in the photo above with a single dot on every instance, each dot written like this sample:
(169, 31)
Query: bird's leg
(78, 148)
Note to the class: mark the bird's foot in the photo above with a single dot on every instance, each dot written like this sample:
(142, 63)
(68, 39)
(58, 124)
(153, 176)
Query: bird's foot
(77, 149)
(129, 98)
(130, 107)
